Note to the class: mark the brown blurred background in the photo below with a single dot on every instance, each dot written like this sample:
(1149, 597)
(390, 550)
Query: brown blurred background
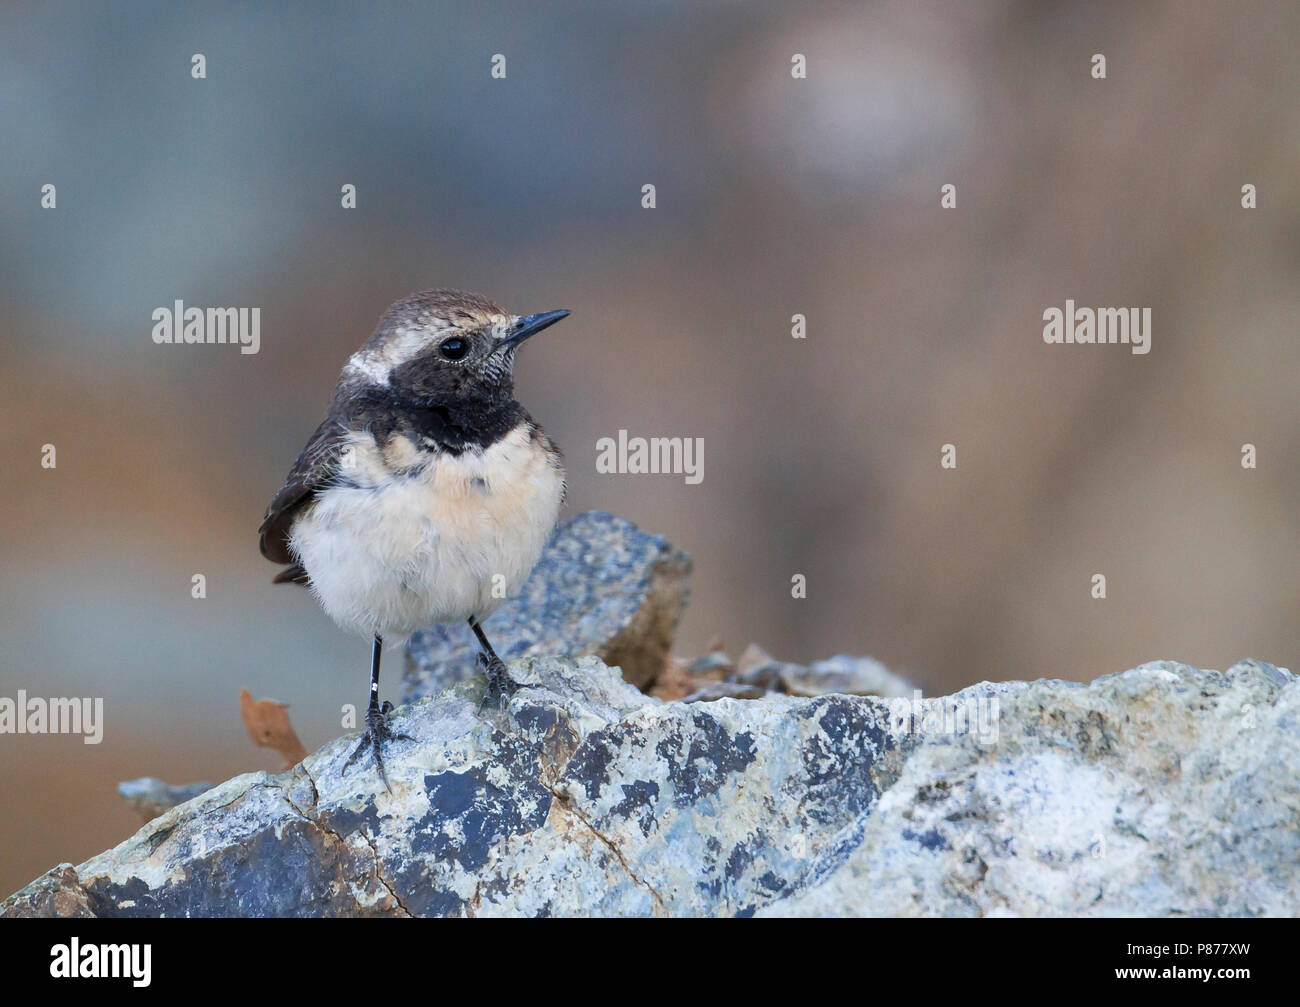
(775, 196)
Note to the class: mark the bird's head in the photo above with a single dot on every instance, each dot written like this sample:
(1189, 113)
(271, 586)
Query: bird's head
(445, 345)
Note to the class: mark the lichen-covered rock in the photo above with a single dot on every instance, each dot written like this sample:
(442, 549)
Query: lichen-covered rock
(150, 797)
(602, 587)
(1161, 791)
(1165, 790)
(757, 673)
(55, 894)
(851, 676)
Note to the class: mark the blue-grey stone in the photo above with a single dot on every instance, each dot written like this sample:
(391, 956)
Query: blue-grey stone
(150, 797)
(1161, 791)
(602, 587)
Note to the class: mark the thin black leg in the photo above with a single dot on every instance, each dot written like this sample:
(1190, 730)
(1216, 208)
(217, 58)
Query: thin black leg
(482, 639)
(499, 681)
(375, 654)
(377, 731)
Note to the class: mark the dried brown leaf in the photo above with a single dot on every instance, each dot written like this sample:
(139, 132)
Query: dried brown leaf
(268, 726)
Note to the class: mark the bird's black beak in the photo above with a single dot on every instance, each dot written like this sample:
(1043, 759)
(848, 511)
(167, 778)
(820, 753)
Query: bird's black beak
(530, 325)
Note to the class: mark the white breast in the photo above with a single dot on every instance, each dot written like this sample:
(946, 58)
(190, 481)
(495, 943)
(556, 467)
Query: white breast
(423, 539)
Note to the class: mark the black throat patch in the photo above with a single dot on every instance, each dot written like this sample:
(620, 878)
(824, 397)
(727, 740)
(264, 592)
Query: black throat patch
(454, 425)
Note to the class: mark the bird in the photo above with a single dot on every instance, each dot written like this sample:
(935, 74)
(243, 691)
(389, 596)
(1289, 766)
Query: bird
(427, 494)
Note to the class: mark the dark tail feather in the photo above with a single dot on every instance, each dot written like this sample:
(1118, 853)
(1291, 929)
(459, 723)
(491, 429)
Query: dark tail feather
(291, 575)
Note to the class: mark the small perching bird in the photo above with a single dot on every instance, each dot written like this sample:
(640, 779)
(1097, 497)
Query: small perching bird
(428, 493)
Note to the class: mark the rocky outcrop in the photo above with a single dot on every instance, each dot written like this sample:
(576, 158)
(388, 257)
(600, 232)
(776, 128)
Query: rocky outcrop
(757, 674)
(150, 797)
(1161, 791)
(602, 587)
(1164, 790)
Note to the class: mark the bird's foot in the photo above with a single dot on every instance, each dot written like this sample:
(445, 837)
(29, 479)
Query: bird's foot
(377, 732)
(499, 682)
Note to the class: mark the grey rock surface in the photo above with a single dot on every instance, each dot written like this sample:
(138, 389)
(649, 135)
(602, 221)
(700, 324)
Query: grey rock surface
(757, 674)
(853, 676)
(150, 797)
(1161, 791)
(602, 587)
(1165, 790)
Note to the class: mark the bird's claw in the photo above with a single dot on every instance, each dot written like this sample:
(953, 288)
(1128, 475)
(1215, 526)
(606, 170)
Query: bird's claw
(377, 732)
(499, 682)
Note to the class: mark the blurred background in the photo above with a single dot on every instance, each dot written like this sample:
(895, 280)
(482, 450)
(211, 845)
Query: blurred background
(775, 196)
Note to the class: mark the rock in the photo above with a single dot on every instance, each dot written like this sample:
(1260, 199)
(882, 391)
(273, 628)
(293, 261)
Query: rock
(55, 894)
(602, 587)
(757, 667)
(715, 665)
(752, 657)
(853, 676)
(1161, 791)
(150, 797)
(765, 677)
(725, 690)
(757, 673)
(674, 682)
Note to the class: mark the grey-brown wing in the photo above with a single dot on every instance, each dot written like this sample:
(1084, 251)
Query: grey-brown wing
(314, 469)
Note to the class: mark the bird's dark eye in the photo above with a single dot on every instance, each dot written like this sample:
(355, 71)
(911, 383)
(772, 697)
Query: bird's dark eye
(454, 348)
